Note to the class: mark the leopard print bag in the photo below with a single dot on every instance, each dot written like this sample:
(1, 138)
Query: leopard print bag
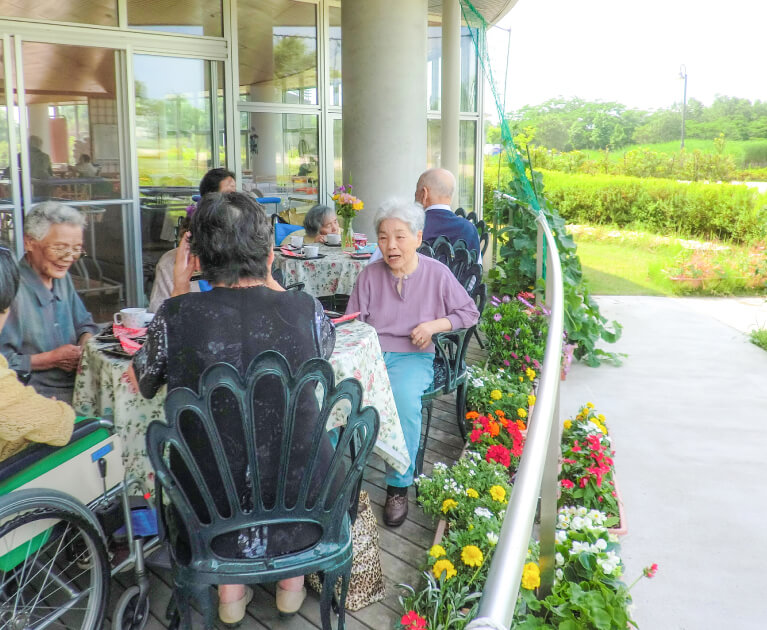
(366, 584)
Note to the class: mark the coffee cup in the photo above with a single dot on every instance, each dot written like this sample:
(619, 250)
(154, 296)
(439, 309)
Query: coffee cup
(131, 317)
(311, 251)
(333, 239)
(297, 241)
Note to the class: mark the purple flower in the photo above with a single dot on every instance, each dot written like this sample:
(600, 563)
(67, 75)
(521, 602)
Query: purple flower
(506, 299)
(497, 317)
(527, 358)
(495, 301)
(525, 302)
(507, 338)
(506, 362)
(536, 364)
(514, 355)
(517, 331)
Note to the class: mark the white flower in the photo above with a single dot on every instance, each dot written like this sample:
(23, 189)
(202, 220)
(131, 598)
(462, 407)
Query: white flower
(483, 512)
(577, 523)
(477, 382)
(560, 559)
(559, 573)
(560, 536)
(582, 511)
(579, 547)
(587, 524)
(601, 544)
(613, 538)
(492, 538)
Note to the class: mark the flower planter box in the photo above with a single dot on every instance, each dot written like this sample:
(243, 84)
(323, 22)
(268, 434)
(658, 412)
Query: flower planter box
(622, 528)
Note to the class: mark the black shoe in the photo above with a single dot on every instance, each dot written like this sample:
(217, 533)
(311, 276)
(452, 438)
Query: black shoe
(395, 510)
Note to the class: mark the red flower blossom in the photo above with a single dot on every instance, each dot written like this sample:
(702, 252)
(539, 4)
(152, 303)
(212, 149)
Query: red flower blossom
(413, 621)
(583, 482)
(651, 570)
(569, 461)
(476, 435)
(566, 483)
(499, 453)
(599, 498)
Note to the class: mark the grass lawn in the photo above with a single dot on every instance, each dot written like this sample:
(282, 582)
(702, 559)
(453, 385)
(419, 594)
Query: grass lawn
(625, 268)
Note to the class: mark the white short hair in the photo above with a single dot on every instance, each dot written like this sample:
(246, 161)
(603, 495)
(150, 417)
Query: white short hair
(42, 216)
(409, 212)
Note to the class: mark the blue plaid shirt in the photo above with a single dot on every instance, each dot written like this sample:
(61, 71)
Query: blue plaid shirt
(40, 320)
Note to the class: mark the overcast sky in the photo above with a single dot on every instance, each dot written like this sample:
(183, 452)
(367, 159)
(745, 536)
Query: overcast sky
(631, 52)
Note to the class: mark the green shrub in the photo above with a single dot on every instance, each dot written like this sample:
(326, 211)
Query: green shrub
(759, 337)
(755, 155)
(710, 211)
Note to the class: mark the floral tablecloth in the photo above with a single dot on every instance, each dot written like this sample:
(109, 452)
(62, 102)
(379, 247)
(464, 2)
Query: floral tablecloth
(102, 389)
(335, 273)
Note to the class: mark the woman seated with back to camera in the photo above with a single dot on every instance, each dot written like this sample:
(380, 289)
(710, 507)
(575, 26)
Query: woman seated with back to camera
(407, 298)
(245, 314)
(25, 415)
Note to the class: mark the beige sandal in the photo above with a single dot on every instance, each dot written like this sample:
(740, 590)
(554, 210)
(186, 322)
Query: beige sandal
(234, 612)
(289, 602)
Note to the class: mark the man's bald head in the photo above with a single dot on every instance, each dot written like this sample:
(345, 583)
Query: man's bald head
(435, 185)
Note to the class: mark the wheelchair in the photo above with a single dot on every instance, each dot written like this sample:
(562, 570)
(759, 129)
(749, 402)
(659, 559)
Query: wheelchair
(61, 510)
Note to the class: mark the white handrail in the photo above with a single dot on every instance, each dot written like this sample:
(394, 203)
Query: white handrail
(499, 597)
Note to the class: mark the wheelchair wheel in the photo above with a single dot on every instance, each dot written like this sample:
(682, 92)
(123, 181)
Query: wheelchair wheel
(54, 571)
(126, 615)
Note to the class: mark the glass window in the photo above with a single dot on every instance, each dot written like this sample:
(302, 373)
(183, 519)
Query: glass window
(279, 158)
(338, 140)
(98, 12)
(433, 142)
(277, 51)
(334, 61)
(434, 70)
(190, 17)
(467, 144)
(7, 232)
(174, 140)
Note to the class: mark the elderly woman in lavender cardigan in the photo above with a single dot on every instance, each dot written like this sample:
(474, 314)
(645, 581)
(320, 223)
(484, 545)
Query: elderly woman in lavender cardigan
(407, 297)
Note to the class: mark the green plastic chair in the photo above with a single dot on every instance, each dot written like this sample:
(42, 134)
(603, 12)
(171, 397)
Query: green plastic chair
(331, 512)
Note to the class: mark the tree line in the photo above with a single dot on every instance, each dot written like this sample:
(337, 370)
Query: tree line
(575, 124)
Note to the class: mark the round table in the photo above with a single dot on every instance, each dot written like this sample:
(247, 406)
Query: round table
(102, 389)
(335, 273)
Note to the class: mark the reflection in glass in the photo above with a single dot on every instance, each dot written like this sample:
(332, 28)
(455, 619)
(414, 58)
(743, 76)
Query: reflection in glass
(98, 12)
(277, 51)
(338, 142)
(7, 232)
(190, 17)
(434, 70)
(175, 145)
(334, 59)
(466, 152)
(280, 153)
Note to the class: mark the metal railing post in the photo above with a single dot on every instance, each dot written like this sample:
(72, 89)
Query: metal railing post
(499, 595)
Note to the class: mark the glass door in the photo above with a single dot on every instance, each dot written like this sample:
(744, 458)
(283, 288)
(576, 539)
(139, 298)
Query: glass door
(68, 104)
(10, 211)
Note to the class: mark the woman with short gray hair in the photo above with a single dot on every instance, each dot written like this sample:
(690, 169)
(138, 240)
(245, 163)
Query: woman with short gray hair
(407, 298)
(319, 222)
(48, 325)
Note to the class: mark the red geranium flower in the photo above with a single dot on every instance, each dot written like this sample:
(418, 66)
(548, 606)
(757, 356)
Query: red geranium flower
(499, 453)
(413, 621)
(566, 483)
(651, 570)
(476, 435)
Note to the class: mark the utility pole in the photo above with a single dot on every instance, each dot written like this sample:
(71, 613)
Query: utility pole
(683, 75)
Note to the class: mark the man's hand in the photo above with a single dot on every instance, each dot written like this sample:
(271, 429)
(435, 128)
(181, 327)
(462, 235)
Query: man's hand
(66, 357)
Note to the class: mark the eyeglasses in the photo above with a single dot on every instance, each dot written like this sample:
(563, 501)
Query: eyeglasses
(61, 251)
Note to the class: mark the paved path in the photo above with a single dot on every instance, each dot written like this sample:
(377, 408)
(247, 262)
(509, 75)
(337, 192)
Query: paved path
(688, 413)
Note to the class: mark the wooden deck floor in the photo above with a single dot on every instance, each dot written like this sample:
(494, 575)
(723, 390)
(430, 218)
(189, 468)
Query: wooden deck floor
(402, 549)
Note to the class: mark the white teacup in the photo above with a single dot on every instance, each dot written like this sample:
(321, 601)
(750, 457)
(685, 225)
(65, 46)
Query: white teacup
(333, 239)
(131, 317)
(311, 251)
(297, 241)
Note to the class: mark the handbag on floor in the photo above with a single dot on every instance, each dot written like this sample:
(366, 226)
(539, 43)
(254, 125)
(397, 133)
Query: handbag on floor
(366, 584)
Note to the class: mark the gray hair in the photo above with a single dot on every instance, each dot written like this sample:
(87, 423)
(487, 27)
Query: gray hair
(315, 218)
(439, 180)
(42, 216)
(406, 211)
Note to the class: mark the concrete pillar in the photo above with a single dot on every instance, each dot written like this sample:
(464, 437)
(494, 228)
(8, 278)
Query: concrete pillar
(39, 124)
(451, 85)
(384, 109)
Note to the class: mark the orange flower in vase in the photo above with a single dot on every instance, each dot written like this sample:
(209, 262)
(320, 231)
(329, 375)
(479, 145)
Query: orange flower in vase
(347, 207)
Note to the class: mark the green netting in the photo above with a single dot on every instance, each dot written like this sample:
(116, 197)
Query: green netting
(478, 28)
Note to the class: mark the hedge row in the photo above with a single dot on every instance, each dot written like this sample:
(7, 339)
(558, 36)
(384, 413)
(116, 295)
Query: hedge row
(708, 211)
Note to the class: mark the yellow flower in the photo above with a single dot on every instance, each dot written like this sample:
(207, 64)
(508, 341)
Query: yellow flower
(471, 492)
(531, 576)
(521, 413)
(531, 400)
(472, 556)
(445, 566)
(496, 394)
(437, 551)
(589, 405)
(335, 197)
(498, 493)
(601, 417)
(568, 423)
(521, 379)
(530, 373)
(448, 504)
(358, 206)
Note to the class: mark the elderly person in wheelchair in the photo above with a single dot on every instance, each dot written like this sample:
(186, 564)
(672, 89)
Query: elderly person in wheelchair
(245, 314)
(407, 298)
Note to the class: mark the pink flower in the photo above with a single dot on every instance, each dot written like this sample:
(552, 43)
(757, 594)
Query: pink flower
(566, 483)
(651, 570)
(497, 317)
(506, 337)
(413, 621)
(506, 362)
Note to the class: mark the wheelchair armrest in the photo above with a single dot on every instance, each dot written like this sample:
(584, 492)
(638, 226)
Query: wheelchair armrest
(37, 451)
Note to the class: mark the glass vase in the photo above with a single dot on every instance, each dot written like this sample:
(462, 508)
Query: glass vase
(347, 236)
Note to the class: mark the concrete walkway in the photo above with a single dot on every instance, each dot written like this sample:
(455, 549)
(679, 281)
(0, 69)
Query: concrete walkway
(688, 414)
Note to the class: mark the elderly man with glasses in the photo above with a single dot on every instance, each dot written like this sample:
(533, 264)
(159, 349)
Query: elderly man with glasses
(48, 324)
